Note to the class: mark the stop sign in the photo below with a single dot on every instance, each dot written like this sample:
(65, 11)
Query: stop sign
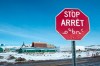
(72, 24)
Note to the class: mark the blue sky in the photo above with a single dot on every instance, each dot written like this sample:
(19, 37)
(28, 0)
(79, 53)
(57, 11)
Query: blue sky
(34, 20)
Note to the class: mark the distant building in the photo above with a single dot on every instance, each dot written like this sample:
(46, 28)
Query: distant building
(1, 49)
(50, 46)
(10, 48)
(69, 48)
(37, 47)
(39, 44)
(34, 50)
(64, 48)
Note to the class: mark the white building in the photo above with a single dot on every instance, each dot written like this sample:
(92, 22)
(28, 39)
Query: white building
(69, 48)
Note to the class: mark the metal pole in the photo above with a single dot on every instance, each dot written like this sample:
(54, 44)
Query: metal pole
(73, 53)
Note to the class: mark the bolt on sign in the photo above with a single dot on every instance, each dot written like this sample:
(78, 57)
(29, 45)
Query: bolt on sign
(72, 24)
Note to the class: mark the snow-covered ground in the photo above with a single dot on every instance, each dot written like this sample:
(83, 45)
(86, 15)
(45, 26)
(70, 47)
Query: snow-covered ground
(45, 56)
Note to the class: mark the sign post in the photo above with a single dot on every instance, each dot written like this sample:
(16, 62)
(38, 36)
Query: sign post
(73, 53)
(72, 24)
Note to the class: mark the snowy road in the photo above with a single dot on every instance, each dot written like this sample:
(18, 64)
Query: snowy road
(80, 62)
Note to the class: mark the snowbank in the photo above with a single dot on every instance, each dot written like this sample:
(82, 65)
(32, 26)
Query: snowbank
(46, 56)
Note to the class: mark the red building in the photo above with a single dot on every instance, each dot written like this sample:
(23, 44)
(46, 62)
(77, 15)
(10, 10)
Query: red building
(39, 44)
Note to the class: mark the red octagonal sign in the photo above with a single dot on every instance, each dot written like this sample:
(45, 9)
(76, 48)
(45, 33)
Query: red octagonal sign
(72, 24)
